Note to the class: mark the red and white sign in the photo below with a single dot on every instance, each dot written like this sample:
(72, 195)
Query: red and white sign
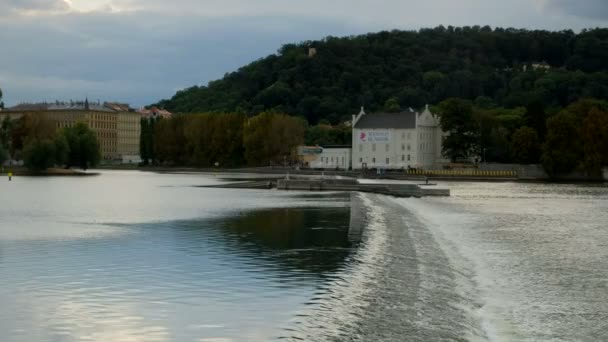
(375, 136)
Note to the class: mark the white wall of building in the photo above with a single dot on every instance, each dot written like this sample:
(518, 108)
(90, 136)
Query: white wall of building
(398, 150)
(391, 148)
(333, 158)
(430, 140)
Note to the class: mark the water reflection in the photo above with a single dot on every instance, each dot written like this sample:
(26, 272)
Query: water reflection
(240, 277)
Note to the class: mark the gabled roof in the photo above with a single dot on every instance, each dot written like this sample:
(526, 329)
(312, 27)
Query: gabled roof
(404, 120)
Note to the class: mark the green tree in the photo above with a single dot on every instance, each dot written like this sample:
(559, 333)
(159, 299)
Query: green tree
(62, 150)
(170, 143)
(41, 154)
(3, 155)
(456, 118)
(562, 150)
(1, 103)
(5, 132)
(271, 138)
(215, 138)
(83, 145)
(595, 142)
(525, 147)
(392, 105)
(258, 151)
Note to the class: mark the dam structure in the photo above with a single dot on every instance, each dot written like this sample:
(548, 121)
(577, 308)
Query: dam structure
(340, 184)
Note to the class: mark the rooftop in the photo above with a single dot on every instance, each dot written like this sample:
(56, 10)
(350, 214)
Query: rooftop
(403, 120)
(71, 105)
(154, 112)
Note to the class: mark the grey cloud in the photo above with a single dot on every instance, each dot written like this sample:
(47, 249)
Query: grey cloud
(129, 58)
(595, 9)
(157, 47)
(39, 5)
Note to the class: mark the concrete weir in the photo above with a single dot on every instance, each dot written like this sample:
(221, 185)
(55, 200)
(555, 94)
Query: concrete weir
(348, 184)
(397, 190)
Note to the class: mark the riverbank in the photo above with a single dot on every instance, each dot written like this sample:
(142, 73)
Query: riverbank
(52, 172)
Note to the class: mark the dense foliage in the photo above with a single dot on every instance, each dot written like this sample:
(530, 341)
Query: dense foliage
(83, 146)
(40, 155)
(35, 139)
(222, 139)
(574, 139)
(508, 68)
(3, 155)
(41, 146)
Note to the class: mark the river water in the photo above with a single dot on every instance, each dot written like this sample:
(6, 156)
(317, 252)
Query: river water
(132, 256)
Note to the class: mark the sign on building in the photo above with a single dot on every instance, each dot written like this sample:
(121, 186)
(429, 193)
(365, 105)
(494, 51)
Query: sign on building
(309, 150)
(375, 136)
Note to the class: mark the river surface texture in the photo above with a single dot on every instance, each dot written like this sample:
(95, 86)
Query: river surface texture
(132, 256)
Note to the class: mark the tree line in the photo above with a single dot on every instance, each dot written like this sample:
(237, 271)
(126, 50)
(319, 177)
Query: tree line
(221, 139)
(400, 69)
(35, 139)
(573, 139)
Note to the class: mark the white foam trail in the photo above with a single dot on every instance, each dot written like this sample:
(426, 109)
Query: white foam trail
(478, 286)
(340, 313)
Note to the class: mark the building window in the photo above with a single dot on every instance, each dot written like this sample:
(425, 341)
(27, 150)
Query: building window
(373, 147)
(409, 157)
(402, 147)
(386, 147)
(388, 161)
(373, 160)
(360, 160)
(409, 147)
(403, 157)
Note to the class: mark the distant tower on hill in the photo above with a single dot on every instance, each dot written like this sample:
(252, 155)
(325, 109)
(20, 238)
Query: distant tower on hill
(312, 52)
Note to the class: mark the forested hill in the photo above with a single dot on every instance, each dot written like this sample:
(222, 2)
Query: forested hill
(409, 69)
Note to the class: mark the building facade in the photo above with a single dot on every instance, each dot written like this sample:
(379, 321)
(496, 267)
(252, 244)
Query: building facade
(333, 157)
(396, 140)
(116, 125)
(325, 157)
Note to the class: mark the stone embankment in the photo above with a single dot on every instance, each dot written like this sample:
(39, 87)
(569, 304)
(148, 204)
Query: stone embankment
(306, 184)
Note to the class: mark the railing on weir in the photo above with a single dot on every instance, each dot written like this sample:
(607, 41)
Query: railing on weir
(463, 173)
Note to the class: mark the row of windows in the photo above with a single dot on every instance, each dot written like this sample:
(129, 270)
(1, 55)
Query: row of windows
(386, 147)
(409, 135)
(327, 159)
(409, 158)
(425, 135)
(103, 125)
(104, 117)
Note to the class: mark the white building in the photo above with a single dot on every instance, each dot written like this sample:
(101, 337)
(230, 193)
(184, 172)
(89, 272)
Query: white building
(333, 157)
(396, 140)
(326, 157)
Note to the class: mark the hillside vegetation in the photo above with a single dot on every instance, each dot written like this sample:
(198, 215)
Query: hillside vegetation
(504, 95)
(409, 69)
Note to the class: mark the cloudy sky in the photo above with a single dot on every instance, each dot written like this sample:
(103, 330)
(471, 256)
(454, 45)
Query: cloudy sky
(140, 51)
